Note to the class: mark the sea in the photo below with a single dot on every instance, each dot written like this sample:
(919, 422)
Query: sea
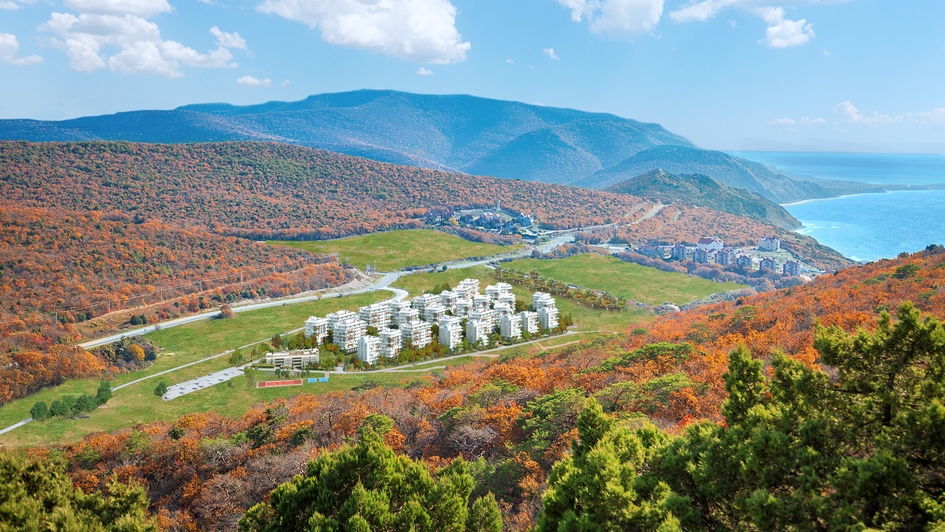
(868, 227)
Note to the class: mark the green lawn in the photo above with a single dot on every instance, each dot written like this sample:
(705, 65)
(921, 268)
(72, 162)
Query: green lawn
(181, 345)
(624, 279)
(394, 250)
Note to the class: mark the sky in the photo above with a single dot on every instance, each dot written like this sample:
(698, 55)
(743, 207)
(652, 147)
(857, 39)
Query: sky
(778, 75)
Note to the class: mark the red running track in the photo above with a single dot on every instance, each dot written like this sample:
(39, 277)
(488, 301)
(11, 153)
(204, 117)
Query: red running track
(273, 384)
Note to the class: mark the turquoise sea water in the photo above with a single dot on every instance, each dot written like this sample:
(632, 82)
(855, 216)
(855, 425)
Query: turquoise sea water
(869, 226)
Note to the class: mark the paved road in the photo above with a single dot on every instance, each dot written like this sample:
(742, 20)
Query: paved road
(382, 283)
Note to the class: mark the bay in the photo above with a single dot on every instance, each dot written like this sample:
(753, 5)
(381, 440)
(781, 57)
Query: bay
(868, 226)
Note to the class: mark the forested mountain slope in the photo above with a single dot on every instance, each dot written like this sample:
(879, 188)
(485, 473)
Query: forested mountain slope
(473, 135)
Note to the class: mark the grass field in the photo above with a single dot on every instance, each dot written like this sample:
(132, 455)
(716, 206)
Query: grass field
(181, 345)
(394, 250)
(624, 279)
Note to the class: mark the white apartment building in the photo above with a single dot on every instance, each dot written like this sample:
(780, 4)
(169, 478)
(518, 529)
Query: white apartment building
(434, 313)
(494, 291)
(346, 333)
(335, 317)
(396, 307)
(477, 331)
(419, 333)
(541, 300)
(502, 309)
(480, 302)
(507, 299)
(421, 302)
(529, 321)
(451, 332)
(376, 315)
(548, 318)
(487, 317)
(316, 328)
(511, 327)
(369, 349)
(771, 243)
(391, 342)
(463, 307)
(410, 315)
(467, 288)
(448, 299)
(293, 359)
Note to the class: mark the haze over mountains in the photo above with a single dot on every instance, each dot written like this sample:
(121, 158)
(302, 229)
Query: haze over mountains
(461, 133)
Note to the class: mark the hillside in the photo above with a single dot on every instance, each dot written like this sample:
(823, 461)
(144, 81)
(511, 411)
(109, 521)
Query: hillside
(703, 191)
(514, 419)
(461, 133)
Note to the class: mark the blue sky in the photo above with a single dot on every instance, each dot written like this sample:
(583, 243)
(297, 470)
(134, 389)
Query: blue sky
(856, 75)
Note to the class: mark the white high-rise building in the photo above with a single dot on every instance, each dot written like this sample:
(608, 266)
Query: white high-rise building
(410, 315)
(419, 333)
(448, 299)
(467, 288)
(451, 332)
(493, 292)
(487, 317)
(548, 318)
(391, 341)
(529, 321)
(433, 313)
(396, 307)
(507, 299)
(480, 302)
(316, 328)
(477, 331)
(511, 327)
(369, 349)
(346, 333)
(376, 315)
(541, 300)
(502, 309)
(335, 317)
(463, 307)
(421, 302)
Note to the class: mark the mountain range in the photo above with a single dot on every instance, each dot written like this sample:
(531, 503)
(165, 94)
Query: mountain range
(457, 133)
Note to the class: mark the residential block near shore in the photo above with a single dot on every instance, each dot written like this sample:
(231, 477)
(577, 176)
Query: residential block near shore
(462, 317)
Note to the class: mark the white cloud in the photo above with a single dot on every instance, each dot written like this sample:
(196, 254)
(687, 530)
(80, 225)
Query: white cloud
(826, 53)
(550, 52)
(809, 120)
(127, 42)
(415, 30)
(510, 61)
(9, 47)
(250, 81)
(228, 40)
(424, 72)
(701, 11)
(783, 121)
(284, 84)
(12, 6)
(935, 116)
(849, 113)
(617, 19)
(141, 8)
(783, 33)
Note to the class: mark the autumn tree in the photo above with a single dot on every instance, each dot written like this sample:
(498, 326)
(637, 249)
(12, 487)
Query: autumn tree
(367, 486)
(39, 495)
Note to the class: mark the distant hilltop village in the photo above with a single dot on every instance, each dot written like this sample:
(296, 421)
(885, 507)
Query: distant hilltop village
(712, 250)
(458, 318)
